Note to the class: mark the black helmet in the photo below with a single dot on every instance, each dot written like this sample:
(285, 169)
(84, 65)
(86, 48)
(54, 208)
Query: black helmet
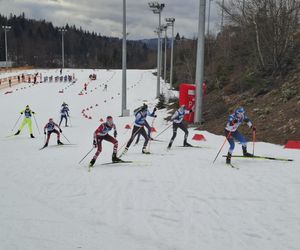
(144, 107)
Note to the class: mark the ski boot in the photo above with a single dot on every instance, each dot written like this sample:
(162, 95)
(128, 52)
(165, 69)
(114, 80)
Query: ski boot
(228, 158)
(245, 153)
(124, 152)
(59, 142)
(115, 158)
(145, 151)
(18, 132)
(31, 135)
(186, 144)
(92, 162)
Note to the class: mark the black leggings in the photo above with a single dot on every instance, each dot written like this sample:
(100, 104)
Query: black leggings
(138, 130)
(183, 128)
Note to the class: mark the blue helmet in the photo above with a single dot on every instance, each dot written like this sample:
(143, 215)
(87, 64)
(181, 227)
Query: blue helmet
(240, 110)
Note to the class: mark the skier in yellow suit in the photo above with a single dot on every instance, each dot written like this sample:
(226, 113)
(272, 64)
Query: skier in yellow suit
(27, 120)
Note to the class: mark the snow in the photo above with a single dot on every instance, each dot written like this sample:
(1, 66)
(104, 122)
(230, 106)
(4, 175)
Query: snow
(173, 199)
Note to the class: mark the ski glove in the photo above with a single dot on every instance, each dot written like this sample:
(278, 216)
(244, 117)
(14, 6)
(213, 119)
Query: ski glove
(155, 116)
(44, 132)
(154, 109)
(21, 113)
(94, 143)
(115, 134)
(60, 130)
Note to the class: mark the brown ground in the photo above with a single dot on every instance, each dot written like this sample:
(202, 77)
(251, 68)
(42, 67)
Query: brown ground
(277, 119)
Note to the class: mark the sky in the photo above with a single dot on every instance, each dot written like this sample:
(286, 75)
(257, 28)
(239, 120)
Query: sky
(105, 16)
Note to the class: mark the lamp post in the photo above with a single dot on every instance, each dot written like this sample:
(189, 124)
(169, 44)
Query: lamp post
(200, 61)
(170, 22)
(6, 28)
(157, 9)
(62, 30)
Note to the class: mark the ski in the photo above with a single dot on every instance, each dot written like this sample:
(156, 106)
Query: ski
(192, 146)
(261, 157)
(119, 162)
(232, 166)
(66, 144)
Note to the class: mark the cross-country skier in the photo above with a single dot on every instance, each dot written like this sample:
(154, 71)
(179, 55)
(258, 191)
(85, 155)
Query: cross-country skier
(233, 122)
(27, 120)
(50, 127)
(146, 124)
(101, 134)
(64, 114)
(177, 119)
(139, 123)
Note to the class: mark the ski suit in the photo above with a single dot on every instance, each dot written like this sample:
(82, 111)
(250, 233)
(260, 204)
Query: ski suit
(50, 127)
(177, 119)
(232, 124)
(64, 113)
(27, 119)
(101, 134)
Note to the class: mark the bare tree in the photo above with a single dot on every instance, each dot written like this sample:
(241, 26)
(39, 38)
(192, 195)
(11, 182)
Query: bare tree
(273, 23)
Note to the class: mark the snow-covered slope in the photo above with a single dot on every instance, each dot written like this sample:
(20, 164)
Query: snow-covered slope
(173, 199)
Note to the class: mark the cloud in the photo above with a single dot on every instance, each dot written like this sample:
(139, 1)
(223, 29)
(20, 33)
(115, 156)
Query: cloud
(106, 16)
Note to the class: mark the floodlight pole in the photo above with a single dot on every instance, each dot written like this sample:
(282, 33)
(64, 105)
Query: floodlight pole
(200, 61)
(165, 58)
(124, 64)
(62, 30)
(170, 22)
(6, 28)
(157, 9)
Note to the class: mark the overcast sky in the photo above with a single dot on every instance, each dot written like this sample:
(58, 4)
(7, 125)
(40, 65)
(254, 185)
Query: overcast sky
(105, 16)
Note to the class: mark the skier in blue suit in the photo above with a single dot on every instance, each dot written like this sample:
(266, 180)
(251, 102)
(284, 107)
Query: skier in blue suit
(233, 122)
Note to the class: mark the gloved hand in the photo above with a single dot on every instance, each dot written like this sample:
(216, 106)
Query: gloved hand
(115, 133)
(44, 132)
(191, 110)
(155, 116)
(21, 113)
(94, 143)
(154, 109)
(253, 128)
(60, 130)
(33, 113)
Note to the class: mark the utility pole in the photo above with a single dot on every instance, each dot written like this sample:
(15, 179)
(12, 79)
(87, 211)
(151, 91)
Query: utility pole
(6, 28)
(200, 61)
(157, 8)
(170, 22)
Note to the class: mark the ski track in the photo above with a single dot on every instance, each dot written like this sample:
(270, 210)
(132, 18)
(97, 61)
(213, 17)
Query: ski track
(174, 199)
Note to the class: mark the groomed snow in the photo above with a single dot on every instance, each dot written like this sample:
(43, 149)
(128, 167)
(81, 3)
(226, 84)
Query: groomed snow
(173, 199)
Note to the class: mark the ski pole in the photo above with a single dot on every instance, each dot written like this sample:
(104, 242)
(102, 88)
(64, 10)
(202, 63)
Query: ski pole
(133, 136)
(70, 121)
(16, 122)
(222, 146)
(86, 155)
(36, 125)
(163, 130)
(254, 139)
(66, 138)
(151, 133)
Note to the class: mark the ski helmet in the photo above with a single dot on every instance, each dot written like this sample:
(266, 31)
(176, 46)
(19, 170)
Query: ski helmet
(144, 107)
(240, 110)
(109, 121)
(50, 119)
